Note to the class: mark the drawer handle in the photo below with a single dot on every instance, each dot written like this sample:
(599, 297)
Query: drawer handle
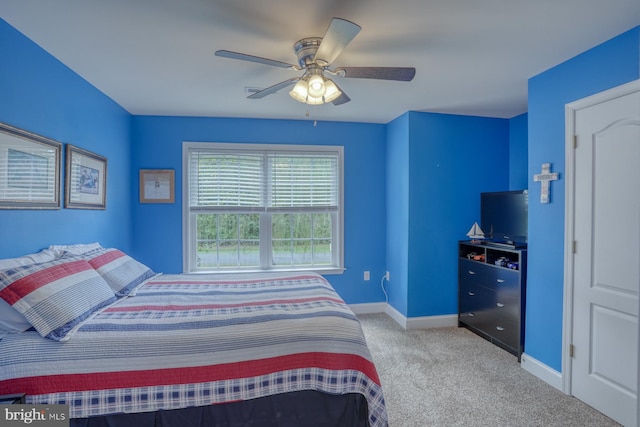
(472, 272)
(500, 280)
(472, 294)
(500, 328)
(500, 304)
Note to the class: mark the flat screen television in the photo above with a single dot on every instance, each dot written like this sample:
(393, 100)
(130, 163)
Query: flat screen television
(504, 216)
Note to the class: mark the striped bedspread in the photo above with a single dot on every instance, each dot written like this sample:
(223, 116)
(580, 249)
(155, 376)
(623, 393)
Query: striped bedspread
(192, 340)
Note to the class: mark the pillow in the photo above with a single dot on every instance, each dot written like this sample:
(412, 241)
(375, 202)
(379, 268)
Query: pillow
(56, 297)
(123, 273)
(44, 255)
(77, 249)
(11, 322)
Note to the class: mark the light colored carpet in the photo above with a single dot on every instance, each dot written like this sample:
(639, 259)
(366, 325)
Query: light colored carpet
(452, 377)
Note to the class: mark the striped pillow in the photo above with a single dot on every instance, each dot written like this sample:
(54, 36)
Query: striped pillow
(11, 322)
(123, 273)
(56, 297)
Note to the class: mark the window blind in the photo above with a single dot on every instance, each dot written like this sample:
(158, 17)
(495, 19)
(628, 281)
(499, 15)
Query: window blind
(226, 179)
(263, 180)
(303, 180)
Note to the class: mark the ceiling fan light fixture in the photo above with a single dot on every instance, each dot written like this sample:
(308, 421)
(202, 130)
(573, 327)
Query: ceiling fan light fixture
(312, 100)
(302, 91)
(331, 91)
(299, 91)
(317, 86)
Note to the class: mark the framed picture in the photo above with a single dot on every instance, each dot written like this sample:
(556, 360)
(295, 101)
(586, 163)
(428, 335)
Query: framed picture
(85, 179)
(157, 186)
(29, 170)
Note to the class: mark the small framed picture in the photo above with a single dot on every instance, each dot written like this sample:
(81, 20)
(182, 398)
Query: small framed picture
(29, 170)
(157, 186)
(85, 179)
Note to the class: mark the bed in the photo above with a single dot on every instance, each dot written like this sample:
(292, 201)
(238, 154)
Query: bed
(243, 349)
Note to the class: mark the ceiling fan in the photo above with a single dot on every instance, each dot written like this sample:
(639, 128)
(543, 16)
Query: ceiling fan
(315, 56)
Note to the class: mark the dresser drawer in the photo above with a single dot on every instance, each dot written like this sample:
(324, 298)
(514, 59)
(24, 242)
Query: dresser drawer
(506, 306)
(476, 304)
(480, 320)
(505, 331)
(479, 308)
(501, 279)
(476, 298)
(473, 273)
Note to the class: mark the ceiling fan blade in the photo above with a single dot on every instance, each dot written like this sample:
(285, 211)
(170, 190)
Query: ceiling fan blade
(404, 74)
(336, 38)
(273, 89)
(342, 99)
(258, 59)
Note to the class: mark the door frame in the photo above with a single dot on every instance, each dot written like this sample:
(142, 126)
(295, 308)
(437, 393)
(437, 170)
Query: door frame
(569, 235)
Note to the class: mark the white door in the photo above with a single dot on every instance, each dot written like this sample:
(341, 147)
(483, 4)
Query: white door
(606, 256)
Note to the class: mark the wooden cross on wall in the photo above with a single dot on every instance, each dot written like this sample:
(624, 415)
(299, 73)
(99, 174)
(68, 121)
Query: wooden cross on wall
(545, 178)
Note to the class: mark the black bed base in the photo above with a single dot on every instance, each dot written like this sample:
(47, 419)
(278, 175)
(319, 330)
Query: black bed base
(296, 409)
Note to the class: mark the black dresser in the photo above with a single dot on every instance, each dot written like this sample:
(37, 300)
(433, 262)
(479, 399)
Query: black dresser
(492, 290)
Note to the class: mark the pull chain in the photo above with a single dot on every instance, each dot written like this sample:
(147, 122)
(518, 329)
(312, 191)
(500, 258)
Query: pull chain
(315, 122)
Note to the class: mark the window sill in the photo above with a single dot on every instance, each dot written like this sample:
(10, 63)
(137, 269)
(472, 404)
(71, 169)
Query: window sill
(322, 271)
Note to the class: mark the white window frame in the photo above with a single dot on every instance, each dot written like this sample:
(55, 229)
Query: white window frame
(189, 226)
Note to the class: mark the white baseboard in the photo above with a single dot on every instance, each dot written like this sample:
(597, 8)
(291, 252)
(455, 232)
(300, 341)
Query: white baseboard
(368, 308)
(428, 322)
(423, 322)
(542, 371)
(396, 315)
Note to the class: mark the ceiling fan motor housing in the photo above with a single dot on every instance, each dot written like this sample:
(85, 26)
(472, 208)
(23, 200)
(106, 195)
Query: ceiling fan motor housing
(306, 49)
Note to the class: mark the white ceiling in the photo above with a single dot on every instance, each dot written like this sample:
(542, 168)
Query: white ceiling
(473, 57)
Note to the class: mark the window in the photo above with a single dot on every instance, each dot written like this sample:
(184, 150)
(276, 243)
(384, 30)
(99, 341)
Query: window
(262, 207)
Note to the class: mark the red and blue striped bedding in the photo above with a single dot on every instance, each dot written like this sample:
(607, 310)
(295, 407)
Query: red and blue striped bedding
(192, 340)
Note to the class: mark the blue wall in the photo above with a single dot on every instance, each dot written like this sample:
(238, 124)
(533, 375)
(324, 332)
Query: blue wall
(608, 65)
(41, 95)
(397, 186)
(518, 152)
(157, 143)
(451, 159)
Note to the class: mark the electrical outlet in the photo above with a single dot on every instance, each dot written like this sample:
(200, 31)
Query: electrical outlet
(367, 275)
(386, 276)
